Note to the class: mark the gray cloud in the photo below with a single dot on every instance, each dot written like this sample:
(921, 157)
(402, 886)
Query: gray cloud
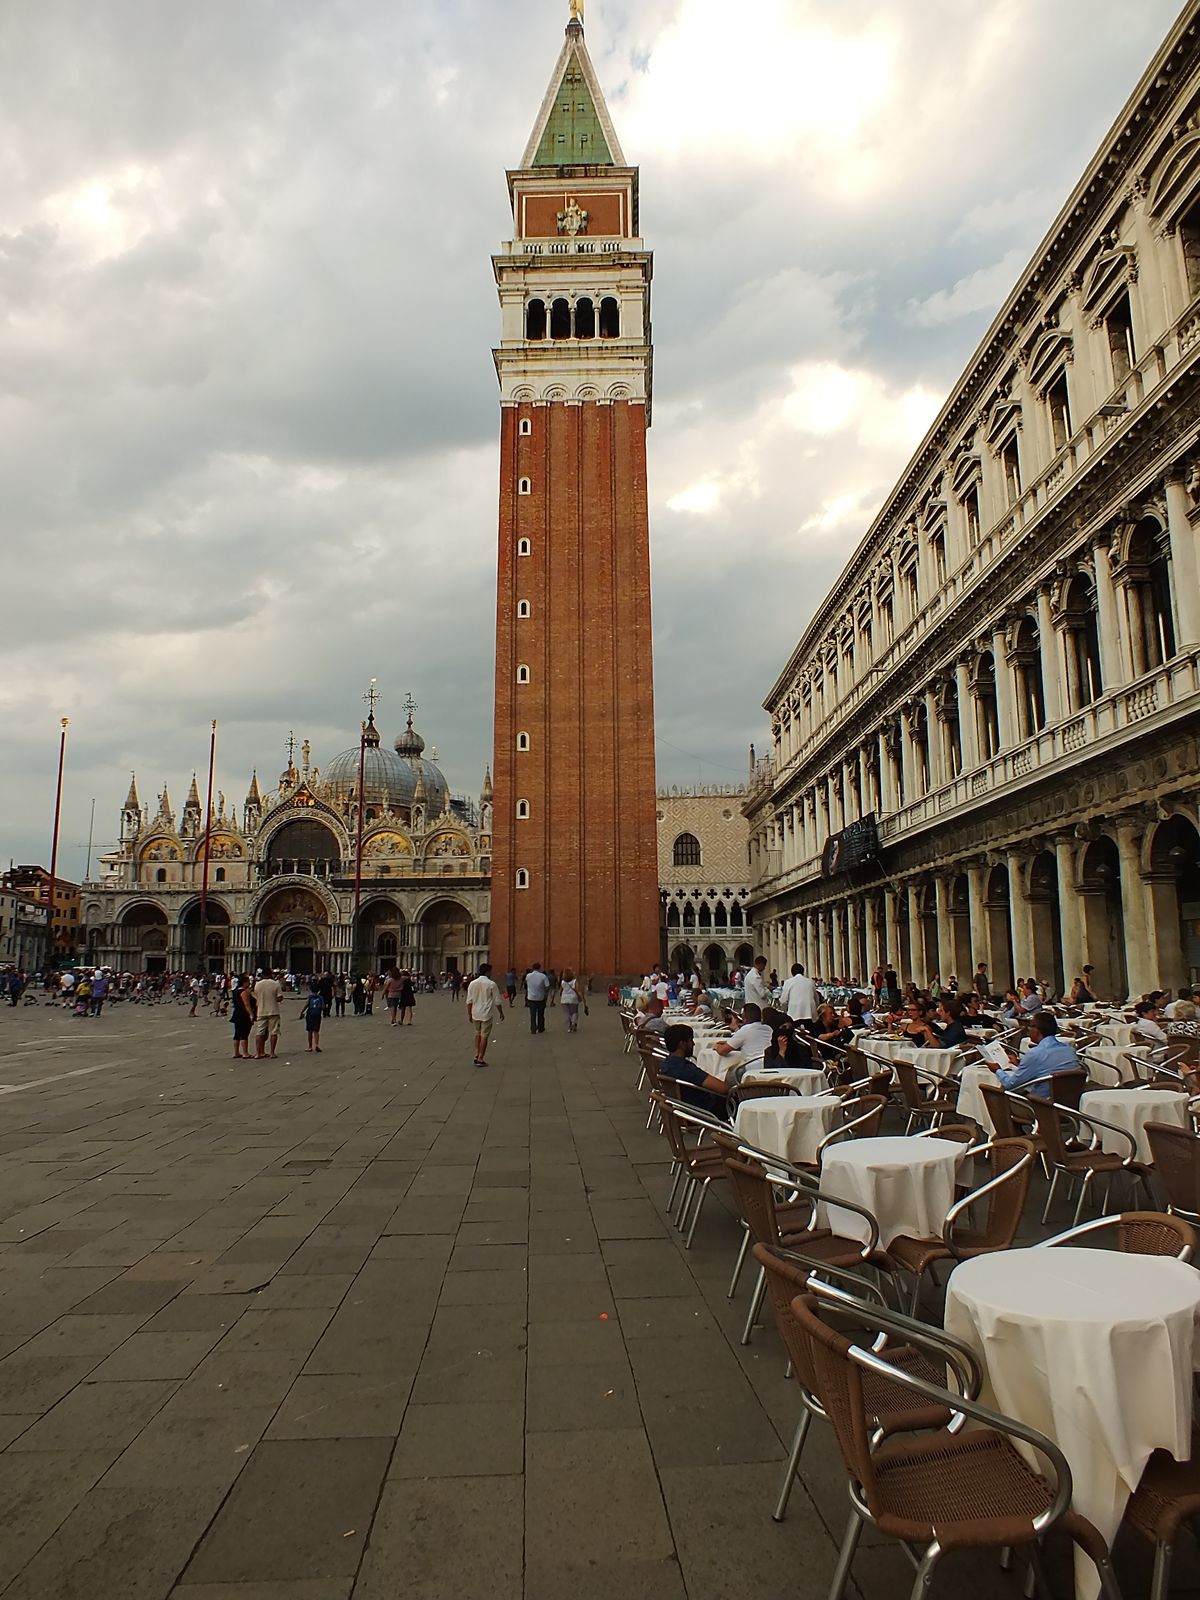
(247, 407)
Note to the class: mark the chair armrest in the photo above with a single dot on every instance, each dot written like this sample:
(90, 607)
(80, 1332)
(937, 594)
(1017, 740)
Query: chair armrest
(819, 1194)
(956, 1352)
(1096, 1123)
(990, 1187)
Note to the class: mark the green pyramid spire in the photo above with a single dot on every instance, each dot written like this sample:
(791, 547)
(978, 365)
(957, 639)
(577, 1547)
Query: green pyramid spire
(574, 133)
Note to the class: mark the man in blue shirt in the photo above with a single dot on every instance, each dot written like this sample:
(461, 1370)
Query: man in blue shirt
(537, 987)
(696, 1087)
(1047, 1054)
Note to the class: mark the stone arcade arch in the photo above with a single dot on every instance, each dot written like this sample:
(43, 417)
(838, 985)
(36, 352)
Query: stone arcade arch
(215, 932)
(382, 936)
(143, 938)
(1046, 923)
(294, 924)
(998, 906)
(445, 928)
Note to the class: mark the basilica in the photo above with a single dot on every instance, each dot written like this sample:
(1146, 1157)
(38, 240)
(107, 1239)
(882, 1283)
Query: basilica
(300, 880)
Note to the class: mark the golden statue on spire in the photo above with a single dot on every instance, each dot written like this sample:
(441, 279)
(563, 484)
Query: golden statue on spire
(576, 10)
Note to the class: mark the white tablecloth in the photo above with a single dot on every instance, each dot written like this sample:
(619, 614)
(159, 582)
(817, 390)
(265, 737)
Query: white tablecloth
(1132, 1109)
(970, 1102)
(945, 1062)
(718, 1066)
(907, 1185)
(809, 1080)
(1109, 1063)
(1116, 1033)
(885, 1049)
(1094, 1349)
(791, 1126)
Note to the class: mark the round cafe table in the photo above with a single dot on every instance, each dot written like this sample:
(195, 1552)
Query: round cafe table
(808, 1080)
(906, 1184)
(718, 1066)
(1109, 1064)
(1132, 1109)
(1093, 1348)
(791, 1126)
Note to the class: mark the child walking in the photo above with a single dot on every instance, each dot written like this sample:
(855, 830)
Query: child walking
(314, 1011)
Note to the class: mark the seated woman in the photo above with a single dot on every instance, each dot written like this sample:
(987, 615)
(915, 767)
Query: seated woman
(916, 1027)
(828, 1027)
(948, 1033)
(696, 1087)
(1082, 993)
(853, 1017)
(787, 1048)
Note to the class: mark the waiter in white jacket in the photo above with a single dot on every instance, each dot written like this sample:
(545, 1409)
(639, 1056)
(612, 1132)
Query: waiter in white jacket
(799, 996)
(757, 993)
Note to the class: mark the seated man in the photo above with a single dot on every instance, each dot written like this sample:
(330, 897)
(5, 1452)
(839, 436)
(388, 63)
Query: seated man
(1031, 1000)
(977, 1015)
(1171, 1010)
(949, 1033)
(1047, 1054)
(696, 1088)
(752, 1038)
(651, 1019)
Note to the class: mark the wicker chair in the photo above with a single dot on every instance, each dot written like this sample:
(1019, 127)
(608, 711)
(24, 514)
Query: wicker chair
(892, 1410)
(1167, 1496)
(757, 1091)
(1069, 1086)
(1086, 1163)
(754, 1195)
(943, 1490)
(1176, 1153)
(1138, 1233)
(921, 1105)
(1006, 1191)
(699, 1165)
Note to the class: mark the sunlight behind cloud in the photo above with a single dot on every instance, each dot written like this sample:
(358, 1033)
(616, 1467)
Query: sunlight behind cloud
(715, 80)
(698, 498)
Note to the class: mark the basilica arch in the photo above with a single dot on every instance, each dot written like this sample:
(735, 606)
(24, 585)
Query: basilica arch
(143, 937)
(445, 929)
(295, 928)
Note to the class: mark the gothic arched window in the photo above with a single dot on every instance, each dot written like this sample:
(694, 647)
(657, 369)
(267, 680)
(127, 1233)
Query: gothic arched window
(687, 850)
(610, 318)
(535, 320)
(560, 319)
(585, 318)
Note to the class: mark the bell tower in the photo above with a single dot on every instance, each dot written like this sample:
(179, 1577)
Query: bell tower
(574, 864)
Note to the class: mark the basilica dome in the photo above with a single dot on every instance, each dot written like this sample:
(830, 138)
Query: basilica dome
(410, 751)
(387, 780)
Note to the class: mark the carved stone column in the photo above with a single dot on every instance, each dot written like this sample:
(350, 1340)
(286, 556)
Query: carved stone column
(1006, 710)
(916, 938)
(981, 946)
(838, 926)
(967, 729)
(945, 930)
(894, 950)
(1070, 910)
(1185, 578)
(1114, 664)
(1022, 922)
(1052, 666)
(1139, 958)
(887, 776)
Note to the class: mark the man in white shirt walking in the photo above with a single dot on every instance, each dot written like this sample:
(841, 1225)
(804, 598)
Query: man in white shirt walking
(483, 1006)
(757, 993)
(799, 996)
(268, 1003)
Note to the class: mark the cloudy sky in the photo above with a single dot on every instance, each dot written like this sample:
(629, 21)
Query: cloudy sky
(247, 405)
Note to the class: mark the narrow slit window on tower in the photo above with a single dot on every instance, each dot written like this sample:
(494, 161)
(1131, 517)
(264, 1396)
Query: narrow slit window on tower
(522, 878)
(560, 319)
(523, 742)
(522, 674)
(523, 547)
(525, 486)
(535, 319)
(610, 318)
(522, 810)
(522, 608)
(526, 428)
(585, 318)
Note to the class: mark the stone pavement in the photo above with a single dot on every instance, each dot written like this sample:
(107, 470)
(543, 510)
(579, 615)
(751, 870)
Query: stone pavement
(380, 1324)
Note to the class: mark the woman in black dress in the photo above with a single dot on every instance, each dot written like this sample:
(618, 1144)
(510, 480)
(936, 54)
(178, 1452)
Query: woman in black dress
(408, 998)
(241, 1009)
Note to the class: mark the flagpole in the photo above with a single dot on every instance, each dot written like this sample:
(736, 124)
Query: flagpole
(212, 757)
(62, 756)
(371, 697)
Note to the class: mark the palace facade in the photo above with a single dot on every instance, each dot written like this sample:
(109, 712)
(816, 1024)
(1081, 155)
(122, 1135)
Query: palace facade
(282, 872)
(703, 879)
(986, 745)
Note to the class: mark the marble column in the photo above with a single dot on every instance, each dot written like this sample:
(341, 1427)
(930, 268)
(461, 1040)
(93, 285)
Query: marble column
(1006, 711)
(894, 943)
(1139, 958)
(887, 778)
(1051, 654)
(916, 939)
(1022, 922)
(981, 944)
(1070, 910)
(933, 743)
(967, 730)
(1114, 661)
(1185, 579)
(838, 920)
(947, 960)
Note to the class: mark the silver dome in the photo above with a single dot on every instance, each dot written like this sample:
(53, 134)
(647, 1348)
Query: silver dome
(387, 780)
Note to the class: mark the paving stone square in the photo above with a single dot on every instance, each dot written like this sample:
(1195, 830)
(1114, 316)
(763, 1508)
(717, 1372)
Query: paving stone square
(381, 1324)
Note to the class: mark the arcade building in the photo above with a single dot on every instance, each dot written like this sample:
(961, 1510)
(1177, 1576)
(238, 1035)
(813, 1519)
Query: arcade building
(282, 872)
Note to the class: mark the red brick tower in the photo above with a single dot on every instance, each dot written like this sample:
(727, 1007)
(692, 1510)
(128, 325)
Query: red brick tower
(574, 867)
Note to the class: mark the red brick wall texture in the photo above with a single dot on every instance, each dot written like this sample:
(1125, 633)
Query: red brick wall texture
(589, 844)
